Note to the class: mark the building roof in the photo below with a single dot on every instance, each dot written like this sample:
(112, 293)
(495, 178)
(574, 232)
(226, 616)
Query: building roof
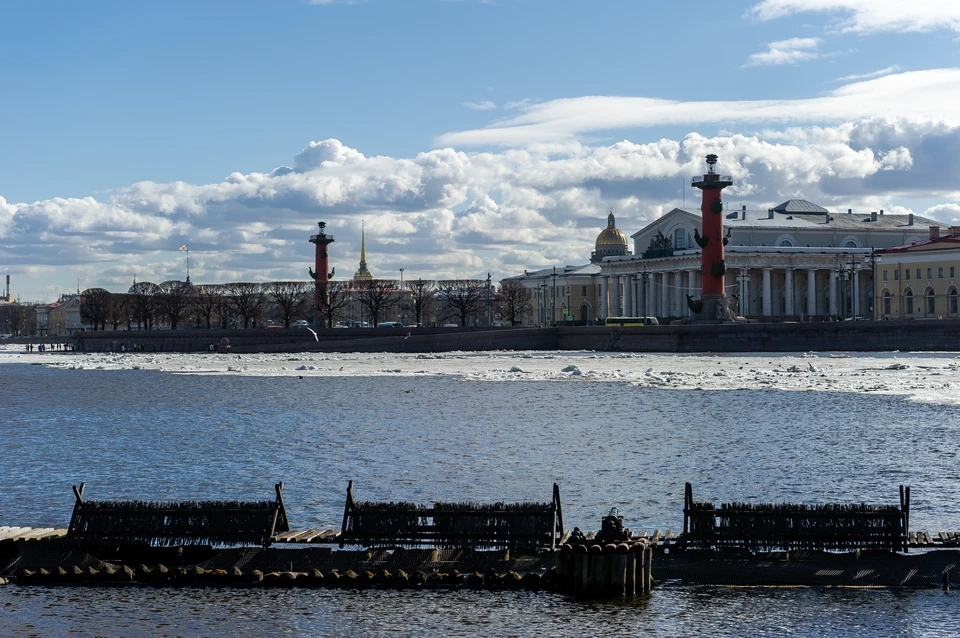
(760, 220)
(944, 242)
(582, 270)
(800, 206)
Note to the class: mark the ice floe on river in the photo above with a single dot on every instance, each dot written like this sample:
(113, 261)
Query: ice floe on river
(928, 377)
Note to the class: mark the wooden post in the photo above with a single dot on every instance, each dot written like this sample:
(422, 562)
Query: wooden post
(630, 586)
(648, 568)
(347, 508)
(618, 577)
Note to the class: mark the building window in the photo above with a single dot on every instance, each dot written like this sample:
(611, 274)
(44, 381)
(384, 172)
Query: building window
(951, 272)
(886, 303)
(931, 303)
(906, 273)
(929, 273)
(908, 302)
(583, 291)
(884, 275)
(786, 243)
(896, 275)
(940, 273)
(953, 301)
(679, 239)
(850, 244)
(918, 273)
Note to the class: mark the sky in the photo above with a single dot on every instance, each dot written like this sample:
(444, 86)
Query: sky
(469, 137)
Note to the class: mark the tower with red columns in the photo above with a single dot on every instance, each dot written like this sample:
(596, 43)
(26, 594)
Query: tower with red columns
(713, 300)
(320, 277)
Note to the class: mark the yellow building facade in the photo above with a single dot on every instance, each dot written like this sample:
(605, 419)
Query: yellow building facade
(920, 280)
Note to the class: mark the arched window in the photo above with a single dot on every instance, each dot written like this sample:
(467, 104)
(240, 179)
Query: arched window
(584, 313)
(850, 244)
(952, 295)
(680, 239)
(886, 302)
(785, 243)
(908, 302)
(931, 302)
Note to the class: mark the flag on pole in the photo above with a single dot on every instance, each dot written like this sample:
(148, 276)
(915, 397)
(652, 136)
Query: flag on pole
(183, 248)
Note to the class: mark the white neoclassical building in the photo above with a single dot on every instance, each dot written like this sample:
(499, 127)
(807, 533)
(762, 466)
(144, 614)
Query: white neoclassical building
(794, 261)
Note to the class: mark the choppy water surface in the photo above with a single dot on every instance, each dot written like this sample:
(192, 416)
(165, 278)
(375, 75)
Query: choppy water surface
(154, 435)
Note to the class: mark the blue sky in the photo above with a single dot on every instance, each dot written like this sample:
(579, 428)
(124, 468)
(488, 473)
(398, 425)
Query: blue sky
(471, 136)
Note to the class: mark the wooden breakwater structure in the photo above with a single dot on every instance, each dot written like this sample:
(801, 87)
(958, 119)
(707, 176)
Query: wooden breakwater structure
(498, 545)
(481, 545)
(766, 527)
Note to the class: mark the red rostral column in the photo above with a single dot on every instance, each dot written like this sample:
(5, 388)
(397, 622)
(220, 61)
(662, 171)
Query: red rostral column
(320, 277)
(712, 241)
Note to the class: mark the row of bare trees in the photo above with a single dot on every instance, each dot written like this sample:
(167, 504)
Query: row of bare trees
(176, 304)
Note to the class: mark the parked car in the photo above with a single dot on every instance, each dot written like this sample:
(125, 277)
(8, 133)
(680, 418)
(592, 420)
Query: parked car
(300, 323)
(389, 324)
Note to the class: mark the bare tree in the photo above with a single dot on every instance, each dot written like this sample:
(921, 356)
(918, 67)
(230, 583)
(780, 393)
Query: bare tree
(174, 301)
(206, 303)
(15, 319)
(94, 307)
(226, 315)
(290, 298)
(513, 301)
(119, 312)
(377, 296)
(462, 296)
(144, 304)
(421, 297)
(332, 300)
(248, 300)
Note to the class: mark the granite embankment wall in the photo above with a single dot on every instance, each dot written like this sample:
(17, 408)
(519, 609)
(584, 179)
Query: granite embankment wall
(329, 340)
(866, 336)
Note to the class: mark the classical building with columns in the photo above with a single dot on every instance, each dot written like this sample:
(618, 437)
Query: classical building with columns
(791, 262)
(795, 261)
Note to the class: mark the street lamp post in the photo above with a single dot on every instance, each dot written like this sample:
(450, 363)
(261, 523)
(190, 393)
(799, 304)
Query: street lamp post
(403, 310)
(874, 260)
(489, 302)
(553, 301)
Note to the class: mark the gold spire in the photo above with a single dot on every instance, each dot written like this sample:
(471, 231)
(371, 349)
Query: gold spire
(362, 273)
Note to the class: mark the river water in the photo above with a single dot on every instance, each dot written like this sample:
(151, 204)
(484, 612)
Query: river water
(413, 429)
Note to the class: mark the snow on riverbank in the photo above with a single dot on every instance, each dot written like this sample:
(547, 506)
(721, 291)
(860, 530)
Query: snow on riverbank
(928, 377)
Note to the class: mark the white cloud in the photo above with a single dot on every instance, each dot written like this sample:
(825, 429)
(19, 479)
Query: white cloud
(486, 105)
(870, 16)
(872, 74)
(785, 52)
(445, 213)
(930, 94)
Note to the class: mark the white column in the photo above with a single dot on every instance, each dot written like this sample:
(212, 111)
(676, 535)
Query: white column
(679, 301)
(615, 296)
(665, 294)
(833, 293)
(628, 309)
(856, 293)
(811, 292)
(766, 292)
(604, 308)
(649, 299)
(788, 292)
(744, 276)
